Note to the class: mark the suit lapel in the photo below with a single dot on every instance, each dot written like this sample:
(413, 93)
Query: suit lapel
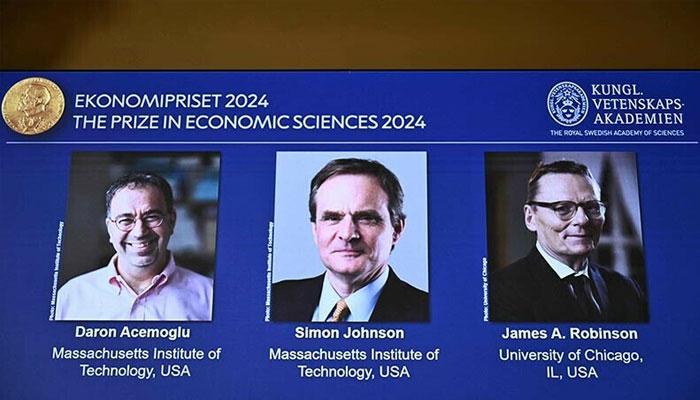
(307, 300)
(385, 309)
(601, 289)
(553, 299)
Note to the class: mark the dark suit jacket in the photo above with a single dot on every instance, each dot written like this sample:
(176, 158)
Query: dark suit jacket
(296, 301)
(530, 291)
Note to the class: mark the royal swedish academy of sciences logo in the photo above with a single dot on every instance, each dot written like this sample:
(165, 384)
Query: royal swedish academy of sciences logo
(567, 103)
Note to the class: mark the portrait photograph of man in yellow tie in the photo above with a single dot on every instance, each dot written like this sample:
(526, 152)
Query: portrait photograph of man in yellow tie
(358, 221)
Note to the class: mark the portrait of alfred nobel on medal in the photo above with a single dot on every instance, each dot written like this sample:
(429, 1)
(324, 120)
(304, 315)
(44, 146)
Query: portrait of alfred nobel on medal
(32, 104)
(557, 281)
(357, 219)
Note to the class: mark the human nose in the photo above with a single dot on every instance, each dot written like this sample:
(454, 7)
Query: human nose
(140, 228)
(347, 230)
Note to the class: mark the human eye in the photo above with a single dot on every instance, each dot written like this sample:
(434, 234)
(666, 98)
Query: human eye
(331, 217)
(152, 217)
(564, 208)
(592, 207)
(369, 218)
(125, 220)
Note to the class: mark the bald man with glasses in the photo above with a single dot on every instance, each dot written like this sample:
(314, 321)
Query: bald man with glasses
(556, 282)
(142, 280)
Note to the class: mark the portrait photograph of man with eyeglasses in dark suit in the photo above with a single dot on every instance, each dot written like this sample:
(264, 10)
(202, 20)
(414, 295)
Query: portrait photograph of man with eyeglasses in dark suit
(576, 253)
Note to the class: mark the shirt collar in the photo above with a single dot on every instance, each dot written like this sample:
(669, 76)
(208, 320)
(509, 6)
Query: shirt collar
(114, 279)
(361, 302)
(559, 267)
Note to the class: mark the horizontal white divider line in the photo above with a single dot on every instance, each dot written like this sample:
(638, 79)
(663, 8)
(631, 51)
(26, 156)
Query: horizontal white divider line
(351, 142)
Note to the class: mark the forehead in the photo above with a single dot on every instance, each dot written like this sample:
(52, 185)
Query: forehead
(351, 192)
(137, 198)
(556, 187)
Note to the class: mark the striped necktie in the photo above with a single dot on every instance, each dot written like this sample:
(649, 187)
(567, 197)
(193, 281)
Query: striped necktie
(341, 311)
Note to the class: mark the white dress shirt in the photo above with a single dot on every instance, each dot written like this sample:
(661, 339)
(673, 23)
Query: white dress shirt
(361, 303)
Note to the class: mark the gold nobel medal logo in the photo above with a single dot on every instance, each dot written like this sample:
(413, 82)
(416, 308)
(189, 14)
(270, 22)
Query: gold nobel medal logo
(33, 106)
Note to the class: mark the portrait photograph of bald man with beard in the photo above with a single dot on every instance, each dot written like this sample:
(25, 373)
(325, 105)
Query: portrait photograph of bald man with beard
(564, 238)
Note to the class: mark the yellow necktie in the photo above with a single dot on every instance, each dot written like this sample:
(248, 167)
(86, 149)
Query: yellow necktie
(341, 311)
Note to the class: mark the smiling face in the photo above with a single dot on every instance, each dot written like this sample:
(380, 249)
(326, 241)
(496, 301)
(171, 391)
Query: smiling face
(353, 229)
(568, 241)
(141, 247)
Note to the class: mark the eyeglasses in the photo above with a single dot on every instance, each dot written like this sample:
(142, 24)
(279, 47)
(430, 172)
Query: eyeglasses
(126, 223)
(566, 210)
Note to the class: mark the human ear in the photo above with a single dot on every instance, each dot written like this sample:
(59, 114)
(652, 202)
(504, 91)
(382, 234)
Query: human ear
(530, 222)
(313, 231)
(398, 231)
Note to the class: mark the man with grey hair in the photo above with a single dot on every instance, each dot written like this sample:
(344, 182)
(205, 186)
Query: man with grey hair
(142, 280)
(556, 282)
(356, 212)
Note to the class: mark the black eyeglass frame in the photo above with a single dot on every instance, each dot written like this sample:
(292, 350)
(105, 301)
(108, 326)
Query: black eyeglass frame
(553, 205)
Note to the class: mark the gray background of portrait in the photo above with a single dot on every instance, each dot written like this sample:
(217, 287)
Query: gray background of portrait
(620, 246)
(295, 253)
(194, 178)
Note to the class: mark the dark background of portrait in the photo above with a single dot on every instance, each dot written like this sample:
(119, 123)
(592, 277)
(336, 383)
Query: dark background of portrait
(620, 246)
(194, 178)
